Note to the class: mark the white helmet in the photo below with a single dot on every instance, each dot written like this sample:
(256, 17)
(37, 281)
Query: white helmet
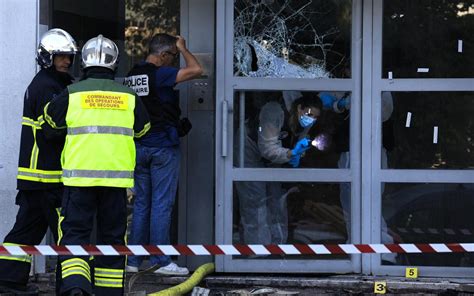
(55, 41)
(100, 52)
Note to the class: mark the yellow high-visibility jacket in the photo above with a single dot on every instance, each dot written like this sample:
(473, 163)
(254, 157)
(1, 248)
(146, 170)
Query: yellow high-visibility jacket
(101, 118)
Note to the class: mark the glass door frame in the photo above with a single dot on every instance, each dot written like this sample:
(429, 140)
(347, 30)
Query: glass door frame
(226, 174)
(372, 174)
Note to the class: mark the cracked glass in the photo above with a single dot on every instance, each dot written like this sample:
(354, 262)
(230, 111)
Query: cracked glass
(292, 39)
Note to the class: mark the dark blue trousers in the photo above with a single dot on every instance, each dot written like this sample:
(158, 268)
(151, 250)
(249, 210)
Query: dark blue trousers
(79, 208)
(38, 210)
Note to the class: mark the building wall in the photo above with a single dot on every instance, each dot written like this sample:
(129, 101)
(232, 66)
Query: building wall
(18, 28)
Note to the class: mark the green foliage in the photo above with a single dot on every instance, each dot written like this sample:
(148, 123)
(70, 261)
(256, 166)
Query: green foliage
(144, 18)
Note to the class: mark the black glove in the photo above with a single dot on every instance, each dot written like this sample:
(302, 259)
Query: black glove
(184, 126)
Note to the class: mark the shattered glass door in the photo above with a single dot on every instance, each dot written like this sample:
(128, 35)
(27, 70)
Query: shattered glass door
(292, 39)
(288, 81)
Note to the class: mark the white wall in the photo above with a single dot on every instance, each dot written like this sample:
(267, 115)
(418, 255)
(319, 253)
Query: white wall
(18, 31)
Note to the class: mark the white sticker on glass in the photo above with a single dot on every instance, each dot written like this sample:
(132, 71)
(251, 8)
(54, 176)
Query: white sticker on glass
(408, 122)
(435, 135)
(423, 70)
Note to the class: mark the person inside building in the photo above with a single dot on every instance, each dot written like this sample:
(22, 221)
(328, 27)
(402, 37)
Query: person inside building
(39, 168)
(340, 102)
(101, 118)
(263, 205)
(158, 156)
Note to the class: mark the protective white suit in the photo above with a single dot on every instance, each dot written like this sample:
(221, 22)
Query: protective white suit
(263, 206)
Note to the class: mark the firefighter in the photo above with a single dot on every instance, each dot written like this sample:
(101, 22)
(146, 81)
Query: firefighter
(100, 118)
(39, 169)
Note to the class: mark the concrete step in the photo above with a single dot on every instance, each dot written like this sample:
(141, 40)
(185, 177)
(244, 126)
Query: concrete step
(246, 284)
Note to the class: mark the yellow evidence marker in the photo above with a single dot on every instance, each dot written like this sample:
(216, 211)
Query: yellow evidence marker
(380, 287)
(411, 272)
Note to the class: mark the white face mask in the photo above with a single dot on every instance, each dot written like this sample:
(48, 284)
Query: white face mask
(306, 121)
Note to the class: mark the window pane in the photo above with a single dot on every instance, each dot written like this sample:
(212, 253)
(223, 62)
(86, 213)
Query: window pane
(430, 213)
(429, 130)
(428, 39)
(269, 126)
(294, 213)
(303, 38)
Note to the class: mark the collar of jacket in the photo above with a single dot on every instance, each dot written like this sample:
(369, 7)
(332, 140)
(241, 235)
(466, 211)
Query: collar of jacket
(98, 73)
(145, 63)
(64, 78)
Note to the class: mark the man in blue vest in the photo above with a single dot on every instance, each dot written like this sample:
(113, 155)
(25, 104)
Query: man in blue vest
(100, 118)
(158, 157)
(39, 169)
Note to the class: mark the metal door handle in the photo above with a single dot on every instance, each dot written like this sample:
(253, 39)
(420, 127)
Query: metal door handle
(225, 112)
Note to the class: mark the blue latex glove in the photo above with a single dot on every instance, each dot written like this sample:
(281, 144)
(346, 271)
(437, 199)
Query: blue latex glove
(300, 147)
(327, 99)
(295, 160)
(343, 103)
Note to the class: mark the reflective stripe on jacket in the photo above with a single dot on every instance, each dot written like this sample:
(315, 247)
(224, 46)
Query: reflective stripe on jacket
(39, 164)
(99, 148)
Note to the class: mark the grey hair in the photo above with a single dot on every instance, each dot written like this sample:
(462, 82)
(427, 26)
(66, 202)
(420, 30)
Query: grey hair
(161, 42)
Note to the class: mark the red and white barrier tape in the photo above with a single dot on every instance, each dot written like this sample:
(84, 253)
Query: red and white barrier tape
(435, 231)
(196, 250)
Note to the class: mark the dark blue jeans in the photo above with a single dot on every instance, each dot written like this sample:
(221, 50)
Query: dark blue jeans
(156, 182)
